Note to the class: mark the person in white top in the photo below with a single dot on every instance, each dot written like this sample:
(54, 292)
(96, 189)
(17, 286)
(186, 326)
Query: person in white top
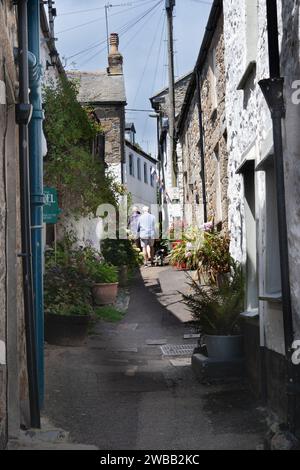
(146, 230)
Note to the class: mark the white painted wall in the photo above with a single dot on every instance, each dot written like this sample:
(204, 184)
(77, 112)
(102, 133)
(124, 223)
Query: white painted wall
(142, 193)
(249, 122)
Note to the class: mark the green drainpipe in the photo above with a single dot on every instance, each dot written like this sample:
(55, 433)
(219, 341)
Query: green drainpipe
(36, 182)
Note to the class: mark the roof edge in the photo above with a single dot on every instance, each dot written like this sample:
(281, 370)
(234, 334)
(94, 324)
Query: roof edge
(215, 14)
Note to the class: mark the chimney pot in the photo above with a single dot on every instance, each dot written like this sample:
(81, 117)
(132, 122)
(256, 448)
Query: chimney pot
(115, 58)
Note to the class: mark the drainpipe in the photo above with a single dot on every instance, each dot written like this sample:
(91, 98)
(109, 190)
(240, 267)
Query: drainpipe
(23, 111)
(272, 89)
(36, 179)
(202, 150)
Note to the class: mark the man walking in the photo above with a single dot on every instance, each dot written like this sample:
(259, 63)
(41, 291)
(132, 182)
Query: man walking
(146, 230)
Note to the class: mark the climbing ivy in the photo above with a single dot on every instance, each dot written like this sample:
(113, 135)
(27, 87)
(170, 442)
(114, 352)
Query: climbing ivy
(70, 165)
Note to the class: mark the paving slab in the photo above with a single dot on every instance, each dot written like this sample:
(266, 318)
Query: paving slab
(148, 402)
(156, 342)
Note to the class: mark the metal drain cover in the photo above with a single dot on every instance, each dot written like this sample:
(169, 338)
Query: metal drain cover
(178, 350)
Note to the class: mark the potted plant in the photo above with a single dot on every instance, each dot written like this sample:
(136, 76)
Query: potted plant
(124, 255)
(105, 283)
(68, 305)
(213, 257)
(216, 310)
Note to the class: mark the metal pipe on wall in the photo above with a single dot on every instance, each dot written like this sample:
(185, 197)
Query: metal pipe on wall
(22, 119)
(272, 89)
(36, 179)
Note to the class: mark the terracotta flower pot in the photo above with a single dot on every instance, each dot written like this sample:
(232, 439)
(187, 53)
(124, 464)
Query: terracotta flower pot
(105, 294)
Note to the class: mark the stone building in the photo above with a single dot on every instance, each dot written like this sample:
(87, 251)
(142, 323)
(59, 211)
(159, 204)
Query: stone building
(13, 371)
(140, 173)
(105, 92)
(253, 221)
(201, 132)
(172, 196)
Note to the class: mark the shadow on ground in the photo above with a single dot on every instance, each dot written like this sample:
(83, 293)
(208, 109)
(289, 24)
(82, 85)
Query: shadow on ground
(118, 392)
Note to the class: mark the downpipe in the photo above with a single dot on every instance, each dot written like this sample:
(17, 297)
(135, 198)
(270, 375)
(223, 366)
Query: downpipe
(36, 182)
(23, 111)
(272, 89)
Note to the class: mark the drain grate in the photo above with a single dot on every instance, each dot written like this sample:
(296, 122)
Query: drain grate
(178, 350)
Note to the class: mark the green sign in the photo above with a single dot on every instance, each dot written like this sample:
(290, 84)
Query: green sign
(51, 209)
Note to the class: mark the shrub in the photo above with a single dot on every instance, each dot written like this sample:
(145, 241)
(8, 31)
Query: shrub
(216, 309)
(103, 273)
(121, 253)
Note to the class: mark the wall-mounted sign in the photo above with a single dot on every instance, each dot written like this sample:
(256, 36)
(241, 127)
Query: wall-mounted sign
(51, 209)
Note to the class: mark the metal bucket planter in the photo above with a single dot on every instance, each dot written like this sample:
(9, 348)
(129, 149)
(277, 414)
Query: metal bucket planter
(105, 294)
(224, 347)
(63, 330)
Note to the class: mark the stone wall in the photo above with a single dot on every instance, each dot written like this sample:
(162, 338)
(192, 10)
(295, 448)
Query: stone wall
(250, 137)
(13, 368)
(180, 91)
(112, 118)
(214, 124)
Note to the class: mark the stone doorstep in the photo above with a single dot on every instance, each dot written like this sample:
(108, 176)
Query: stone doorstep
(208, 369)
(46, 438)
(25, 445)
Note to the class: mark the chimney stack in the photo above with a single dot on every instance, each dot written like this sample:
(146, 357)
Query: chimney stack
(115, 58)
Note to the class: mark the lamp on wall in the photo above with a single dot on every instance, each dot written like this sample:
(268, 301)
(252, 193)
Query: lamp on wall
(54, 55)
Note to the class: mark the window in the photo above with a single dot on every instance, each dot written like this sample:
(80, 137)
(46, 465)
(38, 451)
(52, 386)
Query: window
(152, 173)
(251, 264)
(213, 80)
(145, 173)
(131, 165)
(251, 31)
(139, 171)
(218, 188)
(273, 272)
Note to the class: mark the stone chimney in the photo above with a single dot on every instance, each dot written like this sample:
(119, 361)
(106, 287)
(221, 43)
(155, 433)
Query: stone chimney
(115, 58)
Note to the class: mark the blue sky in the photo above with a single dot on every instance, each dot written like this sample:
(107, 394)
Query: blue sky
(143, 46)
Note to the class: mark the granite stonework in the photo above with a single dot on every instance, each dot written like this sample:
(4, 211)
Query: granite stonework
(212, 91)
(13, 370)
(250, 143)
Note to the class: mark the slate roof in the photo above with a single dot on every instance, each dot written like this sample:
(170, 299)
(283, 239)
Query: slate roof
(100, 87)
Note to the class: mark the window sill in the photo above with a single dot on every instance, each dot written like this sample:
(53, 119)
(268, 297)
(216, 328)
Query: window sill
(251, 314)
(272, 298)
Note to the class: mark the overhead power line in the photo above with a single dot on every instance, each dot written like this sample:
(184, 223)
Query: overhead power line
(122, 30)
(95, 20)
(76, 12)
(125, 29)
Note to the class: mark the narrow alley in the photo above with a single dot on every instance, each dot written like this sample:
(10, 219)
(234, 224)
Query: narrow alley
(121, 392)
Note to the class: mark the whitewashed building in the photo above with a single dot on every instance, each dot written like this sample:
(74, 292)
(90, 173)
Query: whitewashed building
(140, 172)
(253, 221)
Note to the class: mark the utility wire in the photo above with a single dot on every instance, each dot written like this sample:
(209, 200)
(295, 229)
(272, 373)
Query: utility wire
(147, 59)
(81, 25)
(138, 31)
(124, 30)
(159, 55)
(129, 24)
(75, 12)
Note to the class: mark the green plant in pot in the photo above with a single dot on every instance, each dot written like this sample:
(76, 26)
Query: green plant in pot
(105, 282)
(123, 254)
(217, 312)
(68, 301)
